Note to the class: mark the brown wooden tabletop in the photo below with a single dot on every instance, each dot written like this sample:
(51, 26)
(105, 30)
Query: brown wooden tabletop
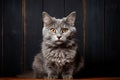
(61, 79)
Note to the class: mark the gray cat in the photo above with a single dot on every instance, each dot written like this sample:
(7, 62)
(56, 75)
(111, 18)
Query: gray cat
(59, 57)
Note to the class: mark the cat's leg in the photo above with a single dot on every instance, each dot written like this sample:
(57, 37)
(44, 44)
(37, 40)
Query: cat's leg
(51, 71)
(79, 64)
(52, 75)
(35, 74)
(38, 69)
(67, 72)
(39, 74)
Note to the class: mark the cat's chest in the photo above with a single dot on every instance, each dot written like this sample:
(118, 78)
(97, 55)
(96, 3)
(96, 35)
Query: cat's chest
(59, 56)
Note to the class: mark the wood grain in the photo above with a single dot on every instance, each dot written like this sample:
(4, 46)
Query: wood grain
(33, 30)
(12, 37)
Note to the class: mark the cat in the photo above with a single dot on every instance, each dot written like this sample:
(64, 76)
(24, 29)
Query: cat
(59, 56)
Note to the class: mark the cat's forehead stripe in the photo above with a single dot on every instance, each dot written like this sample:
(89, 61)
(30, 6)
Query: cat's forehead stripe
(59, 21)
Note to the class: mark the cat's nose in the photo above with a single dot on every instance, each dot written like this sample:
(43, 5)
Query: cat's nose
(58, 37)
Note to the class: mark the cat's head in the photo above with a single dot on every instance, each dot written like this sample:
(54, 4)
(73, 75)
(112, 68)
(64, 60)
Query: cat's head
(58, 31)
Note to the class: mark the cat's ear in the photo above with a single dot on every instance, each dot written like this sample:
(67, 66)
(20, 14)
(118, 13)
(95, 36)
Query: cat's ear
(47, 19)
(70, 19)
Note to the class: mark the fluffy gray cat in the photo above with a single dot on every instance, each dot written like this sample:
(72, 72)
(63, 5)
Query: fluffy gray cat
(59, 57)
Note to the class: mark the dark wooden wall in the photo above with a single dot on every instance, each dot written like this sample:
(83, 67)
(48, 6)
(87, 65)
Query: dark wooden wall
(98, 27)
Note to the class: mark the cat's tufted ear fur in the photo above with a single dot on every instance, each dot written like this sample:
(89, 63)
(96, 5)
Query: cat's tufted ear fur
(47, 19)
(70, 19)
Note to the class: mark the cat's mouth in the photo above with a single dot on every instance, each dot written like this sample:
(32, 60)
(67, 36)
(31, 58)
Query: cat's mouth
(58, 42)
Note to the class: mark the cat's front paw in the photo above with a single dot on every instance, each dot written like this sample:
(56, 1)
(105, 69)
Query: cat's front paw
(52, 77)
(67, 76)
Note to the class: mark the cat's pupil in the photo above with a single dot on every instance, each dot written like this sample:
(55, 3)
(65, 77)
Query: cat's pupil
(64, 30)
(53, 30)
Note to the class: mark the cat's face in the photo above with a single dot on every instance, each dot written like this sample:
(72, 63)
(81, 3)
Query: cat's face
(58, 31)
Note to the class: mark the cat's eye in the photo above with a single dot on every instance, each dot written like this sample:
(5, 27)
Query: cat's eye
(64, 30)
(53, 30)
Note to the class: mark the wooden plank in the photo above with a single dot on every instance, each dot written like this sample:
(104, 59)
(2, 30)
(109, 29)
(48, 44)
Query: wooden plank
(112, 37)
(33, 30)
(76, 5)
(1, 37)
(23, 35)
(12, 37)
(54, 7)
(95, 38)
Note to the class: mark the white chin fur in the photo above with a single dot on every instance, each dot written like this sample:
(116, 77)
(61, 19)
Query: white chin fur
(58, 43)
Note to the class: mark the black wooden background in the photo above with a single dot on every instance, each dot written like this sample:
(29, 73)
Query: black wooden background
(98, 26)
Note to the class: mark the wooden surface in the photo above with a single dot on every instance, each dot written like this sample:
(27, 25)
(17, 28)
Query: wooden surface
(59, 79)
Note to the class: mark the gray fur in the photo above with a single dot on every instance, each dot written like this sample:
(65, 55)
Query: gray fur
(59, 54)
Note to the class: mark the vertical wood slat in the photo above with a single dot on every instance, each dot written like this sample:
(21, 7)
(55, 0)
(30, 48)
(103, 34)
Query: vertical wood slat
(2, 58)
(1, 37)
(54, 7)
(84, 24)
(84, 9)
(112, 37)
(23, 36)
(33, 30)
(12, 37)
(95, 38)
